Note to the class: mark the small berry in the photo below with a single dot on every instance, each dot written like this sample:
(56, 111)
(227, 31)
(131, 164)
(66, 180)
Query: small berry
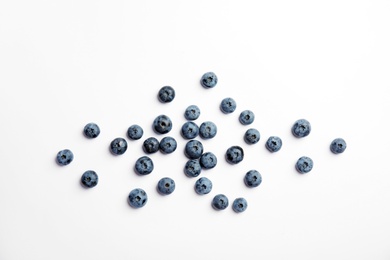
(135, 132)
(144, 165)
(193, 149)
(203, 186)
(273, 144)
(162, 124)
(209, 80)
(192, 112)
(192, 168)
(207, 130)
(234, 154)
(338, 145)
(91, 130)
(137, 198)
(240, 205)
(189, 130)
(89, 179)
(301, 128)
(166, 186)
(252, 136)
(168, 145)
(228, 105)
(246, 117)
(64, 157)
(304, 164)
(118, 146)
(151, 145)
(252, 179)
(166, 94)
(220, 202)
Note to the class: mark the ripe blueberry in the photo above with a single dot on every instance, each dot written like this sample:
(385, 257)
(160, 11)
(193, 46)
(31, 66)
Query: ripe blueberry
(137, 198)
(240, 205)
(203, 186)
(162, 124)
(207, 130)
(304, 164)
(252, 136)
(209, 80)
(144, 165)
(234, 154)
(168, 145)
(192, 112)
(301, 128)
(151, 145)
(252, 179)
(89, 179)
(246, 117)
(192, 168)
(273, 144)
(166, 94)
(208, 160)
(166, 186)
(91, 130)
(135, 132)
(64, 157)
(118, 146)
(228, 105)
(338, 145)
(220, 202)
(189, 130)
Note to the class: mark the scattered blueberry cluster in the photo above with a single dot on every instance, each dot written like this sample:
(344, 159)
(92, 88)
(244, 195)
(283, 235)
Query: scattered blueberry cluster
(197, 158)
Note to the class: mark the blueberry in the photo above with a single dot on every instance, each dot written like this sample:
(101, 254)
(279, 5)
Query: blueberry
(304, 164)
(192, 112)
(338, 145)
(151, 145)
(137, 198)
(203, 186)
(118, 146)
(89, 179)
(228, 105)
(220, 202)
(246, 117)
(207, 130)
(301, 128)
(252, 136)
(208, 160)
(135, 132)
(240, 205)
(192, 168)
(234, 154)
(166, 186)
(273, 144)
(144, 165)
(209, 80)
(162, 124)
(189, 130)
(64, 157)
(194, 149)
(166, 94)
(91, 130)
(168, 145)
(252, 179)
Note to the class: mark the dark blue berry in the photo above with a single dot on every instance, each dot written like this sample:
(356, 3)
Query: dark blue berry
(203, 186)
(304, 164)
(338, 145)
(252, 179)
(118, 146)
(166, 186)
(166, 94)
(194, 149)
(89, 179)
(252, 136)
(137, 198)
(135, 132)
(234, 154)
(220, 202)
(64, 157)
(228, 105)
(192, 168)
(207, 130)
(168, 145)
(246, 117)
(208, 160)
(144, 165)
(162, 124)
(192, 112)
(189, 130)
(240, 205)
(301, 128)
(209, 80)
(91, 130)
(273, 144)
(151, 145)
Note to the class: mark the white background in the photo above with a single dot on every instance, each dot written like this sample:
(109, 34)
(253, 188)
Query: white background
(64, 64)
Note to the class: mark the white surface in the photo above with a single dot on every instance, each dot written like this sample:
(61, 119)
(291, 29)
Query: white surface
(66, 63)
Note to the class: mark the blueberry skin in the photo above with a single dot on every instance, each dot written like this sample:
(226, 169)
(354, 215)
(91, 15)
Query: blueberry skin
(301, 128)
(168, 145)
(189, 130)
(252, 179)
(209, 80)
(194, 149)
(137, 198)
(246, 117)
(166, 186)
(151, 145)
(234, 154)
(192, 168)
(338, 145)
(162, 124)
(203, 186)
(240, 205)
(207, 130)
(144, 165)
(166, 94)
(192, 112)
(273, 144)
(89, 179)
(252, 136)
(208, 160)
(220, 202)
(228, 105)
(304, 164)
(64, 157)
(135, 132)
(91, 130)
(118, 146)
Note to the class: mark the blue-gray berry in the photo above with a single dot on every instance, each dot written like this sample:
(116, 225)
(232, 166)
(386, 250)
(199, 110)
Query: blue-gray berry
(273, 144)
(220, 202)
(135, 132)
(166, 94)
(137, 198)
(194, 149)
(166, 186)
(64, 157)
(240, 205)
(252, 136)
(207, 130)
(192, 168)
(162, 124)
(338, 145)
(144, 165)
(89, 179)
(91, 130)
(203, 186)
(151, 145)
(192, 112)
(304, 164)
(189, 130)
(168, 145)
(228, 105)
(208, 160)
(246, 117)
(301, 128)
(234, 154)
(209, 80)
(252, 179)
